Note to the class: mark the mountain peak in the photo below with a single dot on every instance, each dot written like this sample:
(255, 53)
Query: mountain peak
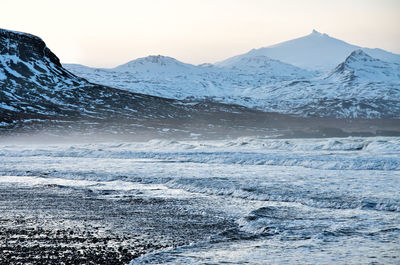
(157, 58)
(315, 32)
(359, 56)
(359, 53)
(154, 59)
(318, 34)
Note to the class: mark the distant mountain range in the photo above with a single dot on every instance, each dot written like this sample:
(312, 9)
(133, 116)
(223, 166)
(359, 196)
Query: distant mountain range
(338, 79)
(252, 95)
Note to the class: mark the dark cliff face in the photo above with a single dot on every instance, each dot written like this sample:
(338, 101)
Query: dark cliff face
(25, 46)
(27, 56)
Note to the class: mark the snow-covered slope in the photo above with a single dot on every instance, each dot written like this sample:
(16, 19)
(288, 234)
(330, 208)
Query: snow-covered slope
(315, 51)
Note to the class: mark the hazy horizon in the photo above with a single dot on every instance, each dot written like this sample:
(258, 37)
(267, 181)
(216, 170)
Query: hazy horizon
(107, 34)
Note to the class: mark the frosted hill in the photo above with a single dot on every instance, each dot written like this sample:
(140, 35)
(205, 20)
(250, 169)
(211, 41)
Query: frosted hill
(316, 51)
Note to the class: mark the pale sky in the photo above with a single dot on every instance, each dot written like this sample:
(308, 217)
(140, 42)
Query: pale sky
(107, 33)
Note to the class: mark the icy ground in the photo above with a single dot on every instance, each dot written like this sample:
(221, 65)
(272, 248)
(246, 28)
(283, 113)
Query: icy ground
(293, 201)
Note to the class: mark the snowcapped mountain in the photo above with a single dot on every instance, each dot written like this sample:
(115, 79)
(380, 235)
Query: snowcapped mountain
(316, 51)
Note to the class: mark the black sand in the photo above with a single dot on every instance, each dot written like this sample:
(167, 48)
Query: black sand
(58, 225)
